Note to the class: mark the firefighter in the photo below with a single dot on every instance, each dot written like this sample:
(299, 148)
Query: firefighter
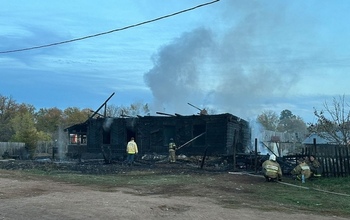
(271, 169)
(301, 171)
(131, 150)
(314, 165)
(172, 149)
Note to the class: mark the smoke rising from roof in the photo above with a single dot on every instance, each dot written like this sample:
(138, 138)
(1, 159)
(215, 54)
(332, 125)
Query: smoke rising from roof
(176, 73)
(107, 124)
(238, 71)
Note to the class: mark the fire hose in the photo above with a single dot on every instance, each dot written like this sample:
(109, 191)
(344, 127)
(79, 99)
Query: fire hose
(190, 141)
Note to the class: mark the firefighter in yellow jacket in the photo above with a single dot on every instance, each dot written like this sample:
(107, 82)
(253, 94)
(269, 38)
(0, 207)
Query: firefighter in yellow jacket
(302, 171)
(131, 150)
(315, 166)
(271, 169)
(172, 149)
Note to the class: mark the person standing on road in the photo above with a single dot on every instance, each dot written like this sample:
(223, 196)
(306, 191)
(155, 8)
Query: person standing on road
(271, 169)
(172, 149)
(131, 150)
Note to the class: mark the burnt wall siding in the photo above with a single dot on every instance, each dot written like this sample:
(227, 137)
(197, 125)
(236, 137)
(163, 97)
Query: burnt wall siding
(216, 135)
(143, 136)
(118, 136)
(95, 136)
(232, 135)
(238, 132)
(94, 139)
(152, 134)
(183, 133)
(244, 143)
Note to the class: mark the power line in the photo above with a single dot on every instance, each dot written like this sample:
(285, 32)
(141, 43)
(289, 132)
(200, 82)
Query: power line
(111, 31)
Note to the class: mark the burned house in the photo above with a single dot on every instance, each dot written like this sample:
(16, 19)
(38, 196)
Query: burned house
(214, 134)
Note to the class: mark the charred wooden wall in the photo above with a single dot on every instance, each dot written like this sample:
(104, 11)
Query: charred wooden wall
(152, 134)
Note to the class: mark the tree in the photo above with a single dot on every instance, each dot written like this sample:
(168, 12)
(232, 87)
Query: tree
(133, 110)
(291, 123)
(269, 120)
(8, 110)
(74, 115)
(115, 111)
(49, 120)
(333, 123)
(25, 131)
(138, 109)
(294, 124)
(286, 114)
(286, 122)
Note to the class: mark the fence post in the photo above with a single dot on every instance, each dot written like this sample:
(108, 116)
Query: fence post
(315, 146)
(341, 161)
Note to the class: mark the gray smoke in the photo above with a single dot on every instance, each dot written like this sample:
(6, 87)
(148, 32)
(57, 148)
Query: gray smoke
(107, 124)
(240, 71)
(176, 73)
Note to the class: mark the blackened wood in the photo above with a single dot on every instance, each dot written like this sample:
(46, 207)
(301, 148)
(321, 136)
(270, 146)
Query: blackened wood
(204, 156)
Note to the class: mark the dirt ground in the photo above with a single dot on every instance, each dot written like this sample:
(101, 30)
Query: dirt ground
(34, 198)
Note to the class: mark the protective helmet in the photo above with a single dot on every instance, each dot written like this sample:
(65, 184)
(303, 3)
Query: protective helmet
(273, 157)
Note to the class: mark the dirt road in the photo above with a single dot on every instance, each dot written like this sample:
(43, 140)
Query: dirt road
(22, 198)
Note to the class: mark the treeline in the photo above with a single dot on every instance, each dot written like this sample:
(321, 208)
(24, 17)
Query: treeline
(332, 122)
(21, 122)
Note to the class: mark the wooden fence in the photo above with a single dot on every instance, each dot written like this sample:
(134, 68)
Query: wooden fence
(17, 150)
(12, 148)
(335, 159)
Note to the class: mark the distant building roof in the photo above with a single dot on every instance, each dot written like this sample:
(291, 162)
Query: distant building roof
(319, 139)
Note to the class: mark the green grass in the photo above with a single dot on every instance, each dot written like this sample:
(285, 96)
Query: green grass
(340, 185)
(317, 196)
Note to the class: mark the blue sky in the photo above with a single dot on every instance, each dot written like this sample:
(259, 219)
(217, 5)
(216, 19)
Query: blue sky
(241, 57)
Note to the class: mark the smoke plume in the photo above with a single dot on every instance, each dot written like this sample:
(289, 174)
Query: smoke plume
(239, 70)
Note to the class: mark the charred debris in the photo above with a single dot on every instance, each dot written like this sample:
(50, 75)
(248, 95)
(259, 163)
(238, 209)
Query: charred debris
(201, 135)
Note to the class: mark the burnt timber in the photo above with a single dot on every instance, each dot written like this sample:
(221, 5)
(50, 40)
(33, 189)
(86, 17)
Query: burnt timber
(223, 133)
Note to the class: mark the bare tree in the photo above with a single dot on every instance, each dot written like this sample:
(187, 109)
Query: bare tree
(269, 120)
(133, 110)
(333, 123)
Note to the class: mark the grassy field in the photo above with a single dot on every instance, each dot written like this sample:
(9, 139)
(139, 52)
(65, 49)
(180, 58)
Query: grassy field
(328, 196)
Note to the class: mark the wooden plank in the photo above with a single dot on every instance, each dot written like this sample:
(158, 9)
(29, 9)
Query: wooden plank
(336, 161)
(331, 163)
(321, 159)
(340, 162)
